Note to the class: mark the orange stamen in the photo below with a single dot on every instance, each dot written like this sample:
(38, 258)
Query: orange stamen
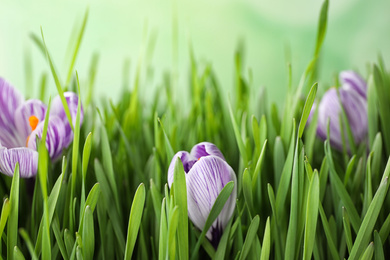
(33, 122)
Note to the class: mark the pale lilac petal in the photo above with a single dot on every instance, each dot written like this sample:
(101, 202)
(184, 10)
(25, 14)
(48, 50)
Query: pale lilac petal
(188, 161)
(32, 107)
(329, 109)
(55, 139)
(57, 109)
(27, 159)
(205, 149)
(352, 80)
(205, 181)
(356, 110)
(10, 100)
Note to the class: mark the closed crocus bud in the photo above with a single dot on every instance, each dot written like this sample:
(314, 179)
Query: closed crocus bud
(207, 173)
(351, 80)
(353, 99)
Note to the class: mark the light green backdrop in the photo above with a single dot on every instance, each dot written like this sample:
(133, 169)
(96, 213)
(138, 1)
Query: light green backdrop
(357, 31)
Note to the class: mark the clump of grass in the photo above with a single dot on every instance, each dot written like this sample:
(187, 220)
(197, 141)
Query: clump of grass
(297, 197)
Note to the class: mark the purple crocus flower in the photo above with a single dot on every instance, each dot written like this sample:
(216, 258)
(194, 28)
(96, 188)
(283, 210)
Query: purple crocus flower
(22, 121)
(207, 173)
(352, 95)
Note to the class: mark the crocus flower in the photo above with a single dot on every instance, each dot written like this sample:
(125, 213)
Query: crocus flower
(21, 122)
(352, 95)
(207, 173)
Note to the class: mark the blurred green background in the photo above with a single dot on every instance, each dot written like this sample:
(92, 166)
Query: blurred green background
(357, 31)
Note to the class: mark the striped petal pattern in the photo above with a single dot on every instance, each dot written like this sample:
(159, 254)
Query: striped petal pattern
(55, 138)
(22, 122)
(207, 173)
(352, 95)
(204, 183)
(27, 159)
(10, 100)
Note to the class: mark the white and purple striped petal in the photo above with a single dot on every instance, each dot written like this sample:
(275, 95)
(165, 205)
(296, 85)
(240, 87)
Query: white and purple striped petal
(355, 108)
(55, 139)
(205, 149)
(32, 107)
(205, 182)
(10, 100)
(352, 80)
(27, 159)
(188, 161)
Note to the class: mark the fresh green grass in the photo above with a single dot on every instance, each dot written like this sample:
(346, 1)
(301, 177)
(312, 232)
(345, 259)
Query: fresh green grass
(107, 198)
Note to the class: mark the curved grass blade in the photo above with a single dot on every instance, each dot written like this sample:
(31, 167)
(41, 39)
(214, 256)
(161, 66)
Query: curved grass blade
(311, 216)
(247, 190)
(137, 209)
(341, 191)
(250, 237)
(58, 84)
(88, 237)
(76, 49)
(23, 233)
(307, 108)
(18, 255)
(180, 197)
(12, 227)
(162, 248)
(266, 247)
(172, 226)
(367, 226)
(5, 211)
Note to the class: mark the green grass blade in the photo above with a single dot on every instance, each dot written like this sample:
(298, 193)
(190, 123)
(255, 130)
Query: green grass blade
(168, 146)
(172, 226)
(108, 167)
(18, 255)
(43, 163)
(328, 235)
(58, 236)
(347, 230)
(58, 84)
(12, 227)
(266, 247)
(367, 226)
(250, 237)
(379, 254)
(237, 134)
(137, 209)
(180, 197)
(258, 166)
(5, 211)
(341, 191)
(109, 206)
(162, 248)
(307, 108)
(23, 233)
(369, 252)
(322, 23)
(285, 179)
(76, 49)
(52, 202)
(311, 216)
(88, 236)
(247, 190)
